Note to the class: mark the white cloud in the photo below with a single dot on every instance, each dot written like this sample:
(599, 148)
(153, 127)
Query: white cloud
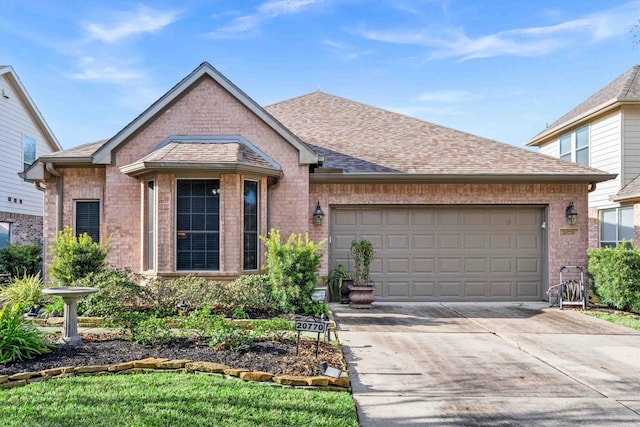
(92, 69)
(347, 52)
(127, 24)
(270, 9)
(528, 42)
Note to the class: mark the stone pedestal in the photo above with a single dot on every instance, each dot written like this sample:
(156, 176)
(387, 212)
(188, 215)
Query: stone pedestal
(70, 297)
(361, 296)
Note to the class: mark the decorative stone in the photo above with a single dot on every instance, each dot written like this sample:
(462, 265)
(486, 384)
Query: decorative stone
(23, 376)
(290, 380)
(4, 379)
(343, 381)
(256, 376)
(120, 367)
(56, 371)
(234, 372)
(149, 362)
(216, 368)
(173, 364)
(92, 368)
(318, 381)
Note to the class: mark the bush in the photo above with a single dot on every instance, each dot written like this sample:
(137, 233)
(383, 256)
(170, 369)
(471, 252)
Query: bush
(19, 260)
(75, 257)
(18, 340)
(616, 276)
(143, 329)
(225, 334)
(118, 292)
(251, 294)
(24, 292)
(292, 268)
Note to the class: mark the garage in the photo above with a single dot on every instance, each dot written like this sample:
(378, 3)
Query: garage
(447, 253)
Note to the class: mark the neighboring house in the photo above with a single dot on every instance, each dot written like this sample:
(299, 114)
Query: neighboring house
(191, 183)
(24, 136)
(604, 132)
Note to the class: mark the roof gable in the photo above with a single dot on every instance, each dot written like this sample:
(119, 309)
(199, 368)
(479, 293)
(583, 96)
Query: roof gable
(362, 141)
(104, 154)
(9, 73)
(624, 89)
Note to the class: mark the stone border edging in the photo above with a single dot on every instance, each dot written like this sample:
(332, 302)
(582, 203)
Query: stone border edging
(152, 364)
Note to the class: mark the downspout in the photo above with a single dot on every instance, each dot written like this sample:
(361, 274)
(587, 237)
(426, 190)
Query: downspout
(54, 172)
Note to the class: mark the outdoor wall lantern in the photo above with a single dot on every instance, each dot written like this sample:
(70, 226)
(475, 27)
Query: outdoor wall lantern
(571, 214)
(318, 215)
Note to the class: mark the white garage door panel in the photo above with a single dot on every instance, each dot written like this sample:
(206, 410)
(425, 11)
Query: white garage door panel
(453, 253)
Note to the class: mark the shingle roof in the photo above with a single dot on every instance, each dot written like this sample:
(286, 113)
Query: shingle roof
(625, 88)
(359, 138)
(84, 150)
(629, 191)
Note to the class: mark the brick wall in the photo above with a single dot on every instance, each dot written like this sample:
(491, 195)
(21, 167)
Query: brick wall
(561, 250)
(25, 229)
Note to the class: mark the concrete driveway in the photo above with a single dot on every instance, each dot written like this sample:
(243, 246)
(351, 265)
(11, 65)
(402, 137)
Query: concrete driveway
(497, 364)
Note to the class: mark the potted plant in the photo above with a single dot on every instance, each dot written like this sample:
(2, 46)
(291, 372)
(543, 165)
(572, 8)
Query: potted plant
(362, 292)
(339, 281)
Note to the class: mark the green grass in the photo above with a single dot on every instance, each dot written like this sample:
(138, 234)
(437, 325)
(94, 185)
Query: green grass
(170, 399)
(624, 319)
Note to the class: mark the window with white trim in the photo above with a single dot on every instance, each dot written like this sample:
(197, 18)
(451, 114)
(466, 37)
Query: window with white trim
(150, 225)
(616, 225)
(88, 218)
(5, 234)
(574, 146)
(28, 152)
(250, 227)
(198, 224)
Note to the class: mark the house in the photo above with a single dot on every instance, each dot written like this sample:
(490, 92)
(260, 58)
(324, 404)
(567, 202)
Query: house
(604, 132)
(24, 136)
(192, 182)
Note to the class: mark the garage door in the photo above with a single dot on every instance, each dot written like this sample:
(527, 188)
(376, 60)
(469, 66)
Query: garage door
(446, 253)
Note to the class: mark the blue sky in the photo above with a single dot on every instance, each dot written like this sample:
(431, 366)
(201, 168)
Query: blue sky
(498, 69)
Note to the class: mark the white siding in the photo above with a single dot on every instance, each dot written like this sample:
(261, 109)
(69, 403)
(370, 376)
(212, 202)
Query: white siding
(550, 149)
(15, 121)
(630, 143)
(605, 154)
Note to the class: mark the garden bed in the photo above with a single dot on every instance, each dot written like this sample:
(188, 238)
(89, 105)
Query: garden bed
(275, 356)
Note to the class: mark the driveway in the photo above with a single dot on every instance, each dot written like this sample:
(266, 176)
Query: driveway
(497, 364)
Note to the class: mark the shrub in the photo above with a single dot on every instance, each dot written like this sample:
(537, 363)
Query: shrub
(197, 292)
(18, 260)
(152, 331)
(292, 268)
(18, 340)
(276, 327)
(616, 276)
(117, 292)
(25, 291)
(224, 334)
(75, 257)
(249, 294)
(317, 309)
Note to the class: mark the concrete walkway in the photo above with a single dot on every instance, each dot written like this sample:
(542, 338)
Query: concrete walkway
(497, 364)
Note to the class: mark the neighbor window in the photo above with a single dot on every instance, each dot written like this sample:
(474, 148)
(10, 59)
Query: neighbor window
(616, 225)
(198, 224)
(250, 242)
(574, 146)
(28, 152)
(5, 234)
(88, 218)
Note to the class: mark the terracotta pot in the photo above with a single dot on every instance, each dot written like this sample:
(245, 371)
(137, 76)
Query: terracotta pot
(361, 296)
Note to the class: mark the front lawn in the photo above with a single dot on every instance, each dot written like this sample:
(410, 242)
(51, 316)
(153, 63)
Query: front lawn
(170, 399)
(629, 320)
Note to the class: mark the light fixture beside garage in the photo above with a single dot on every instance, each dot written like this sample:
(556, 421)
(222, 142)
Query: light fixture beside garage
(318, 215)
(571, 214)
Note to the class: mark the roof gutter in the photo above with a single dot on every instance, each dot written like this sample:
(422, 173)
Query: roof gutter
(458, 178)
(140, 168)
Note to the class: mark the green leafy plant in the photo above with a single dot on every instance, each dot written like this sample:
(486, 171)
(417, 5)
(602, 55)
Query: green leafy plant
(274, 328)
(198, 323)
(292, 268)
(363, 255)
(224, 334)
(75, 257)
(334, 280)
(151, 330)
(117, 292)
(18, 340)
(54, 307)
(19, 260)
(25, 291)
(616, 276)
(316, 309)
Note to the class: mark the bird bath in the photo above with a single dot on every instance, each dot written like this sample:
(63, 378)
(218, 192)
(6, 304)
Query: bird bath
(70, 297)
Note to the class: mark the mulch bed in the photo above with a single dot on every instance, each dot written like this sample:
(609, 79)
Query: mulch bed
(275, 356)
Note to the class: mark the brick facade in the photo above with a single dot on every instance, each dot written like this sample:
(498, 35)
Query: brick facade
(25, 229)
